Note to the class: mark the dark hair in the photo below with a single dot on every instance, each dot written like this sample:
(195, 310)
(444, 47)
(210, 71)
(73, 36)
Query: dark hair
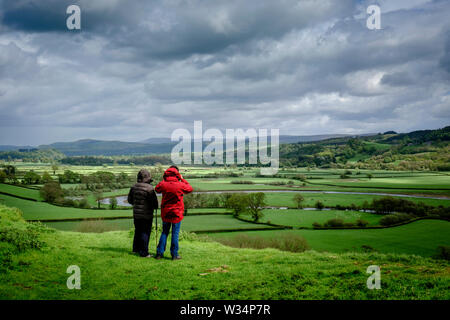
(175, 167)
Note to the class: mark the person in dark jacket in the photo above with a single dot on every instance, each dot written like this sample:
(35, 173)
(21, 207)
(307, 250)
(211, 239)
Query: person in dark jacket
(144, 201)
(173, 187)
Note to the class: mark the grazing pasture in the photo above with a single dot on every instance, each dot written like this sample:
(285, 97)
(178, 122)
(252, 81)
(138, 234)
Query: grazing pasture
(417, 238)
(315, 185)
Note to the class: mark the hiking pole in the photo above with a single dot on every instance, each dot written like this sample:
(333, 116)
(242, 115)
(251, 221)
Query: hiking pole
(156, 231)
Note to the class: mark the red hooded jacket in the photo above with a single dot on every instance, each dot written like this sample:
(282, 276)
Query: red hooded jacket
(172, 188)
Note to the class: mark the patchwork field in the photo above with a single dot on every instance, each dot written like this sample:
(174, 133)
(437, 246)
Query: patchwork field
(417, 238)
(97, 237)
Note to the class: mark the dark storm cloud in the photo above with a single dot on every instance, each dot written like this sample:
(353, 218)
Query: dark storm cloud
(175, 29)
(445, 60)
(143, 68)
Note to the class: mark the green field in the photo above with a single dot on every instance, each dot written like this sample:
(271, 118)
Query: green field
(189, 224)
(281, 199)
(333, 267)
(305, 218)
(45, 211)
(110, 271)
(417, 238)
(429, 182)
(20, 191)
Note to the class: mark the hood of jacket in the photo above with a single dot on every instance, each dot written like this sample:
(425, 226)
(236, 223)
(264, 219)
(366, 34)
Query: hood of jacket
(144, 176)
(171, 174)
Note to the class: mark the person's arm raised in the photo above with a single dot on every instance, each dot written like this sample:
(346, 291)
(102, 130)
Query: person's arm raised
(159, 188)
(187, 188)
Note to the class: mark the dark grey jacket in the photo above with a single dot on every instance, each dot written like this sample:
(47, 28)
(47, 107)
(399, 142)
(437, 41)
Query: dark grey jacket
(143, 197)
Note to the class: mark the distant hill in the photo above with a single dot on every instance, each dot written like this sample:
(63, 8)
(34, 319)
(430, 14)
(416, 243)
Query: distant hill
(417, 150)
(295, 139)
(156, 140)
(89, 147)
(92, 147)
(13, 148)
(32, 154)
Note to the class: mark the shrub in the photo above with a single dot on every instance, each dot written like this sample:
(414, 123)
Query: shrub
(7, 251)
(300, 177)
(396, 218)
(319, 205)
(362, 223)
(367, 248)
(278, 183)
(113, 203)
(349, 224)
(67, 202)
(287, 242)
(83, 203)
(335, 222)
(51, 191)
(23, 238)
(242, 182)
(291, 243)
(93, 226)
(316, 225)
(298, 200)
(443, 253)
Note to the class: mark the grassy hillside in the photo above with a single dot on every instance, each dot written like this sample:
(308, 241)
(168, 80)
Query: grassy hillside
(417, 150)
(208, 270)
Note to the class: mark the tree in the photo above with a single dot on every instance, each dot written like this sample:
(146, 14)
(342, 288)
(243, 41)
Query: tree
(46, 177)
(52, 192)
(98, 195)
(54, 168)
(10, 172)
(370, 176)
(2, 176)
(122, 178)
(236, 202)
(31, 177)
(298, 200)
(319, 205)
(113, 203)
(255, 203)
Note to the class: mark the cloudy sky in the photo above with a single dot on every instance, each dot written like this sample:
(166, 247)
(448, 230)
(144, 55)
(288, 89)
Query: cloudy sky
(140, 69)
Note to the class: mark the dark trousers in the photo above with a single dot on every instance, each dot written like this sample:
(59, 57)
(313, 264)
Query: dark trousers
(142, 229)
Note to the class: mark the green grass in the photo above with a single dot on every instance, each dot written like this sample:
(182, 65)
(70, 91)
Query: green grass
(225, 184)
(305, 218)
(433, 182)
(42, 210)
(189, 223)
(281, 199)
(420, 238)
(45, 211)
(110, 271)
(20, 191)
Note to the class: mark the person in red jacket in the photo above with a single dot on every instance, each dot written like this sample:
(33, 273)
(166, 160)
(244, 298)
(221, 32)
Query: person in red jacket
(173, 187)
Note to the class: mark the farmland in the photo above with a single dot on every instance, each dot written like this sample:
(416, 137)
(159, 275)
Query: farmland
(223, 237)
